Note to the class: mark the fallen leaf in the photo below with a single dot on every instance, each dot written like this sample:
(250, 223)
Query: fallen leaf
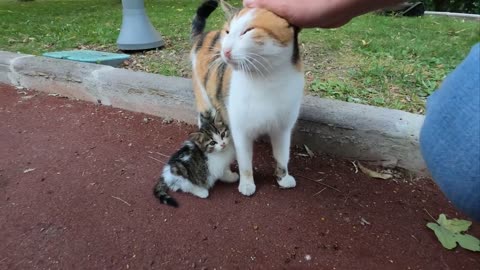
(449, 233)
(374, 174)
(454, 225)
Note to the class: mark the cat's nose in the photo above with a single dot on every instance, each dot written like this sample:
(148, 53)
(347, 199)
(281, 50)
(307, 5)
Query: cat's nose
(222, 145)
(228, 53)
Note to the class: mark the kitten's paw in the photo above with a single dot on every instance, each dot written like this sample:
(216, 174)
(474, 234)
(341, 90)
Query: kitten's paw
(230, 177)
(203, 193)
(287, 182)
(247, 188)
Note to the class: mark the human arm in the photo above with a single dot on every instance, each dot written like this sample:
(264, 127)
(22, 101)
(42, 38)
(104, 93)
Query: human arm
(320, 13)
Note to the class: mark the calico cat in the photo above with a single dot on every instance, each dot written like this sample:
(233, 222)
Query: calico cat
(201, 160)
(251, 70)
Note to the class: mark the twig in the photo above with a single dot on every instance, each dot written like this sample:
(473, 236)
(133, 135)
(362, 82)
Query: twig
(430, 215)
(157, 159)
(3, 259)
(319, 192)
(163, 155)
(355, 165)
(122, 200)
(318, 182)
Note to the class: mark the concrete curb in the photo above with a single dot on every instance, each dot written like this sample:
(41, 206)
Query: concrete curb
(339, 128)
(464, 16)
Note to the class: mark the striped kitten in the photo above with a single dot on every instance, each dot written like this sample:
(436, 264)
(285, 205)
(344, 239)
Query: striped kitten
(252, 71)
(201, 160)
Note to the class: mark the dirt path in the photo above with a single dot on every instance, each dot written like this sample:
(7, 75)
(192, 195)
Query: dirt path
(75, 193)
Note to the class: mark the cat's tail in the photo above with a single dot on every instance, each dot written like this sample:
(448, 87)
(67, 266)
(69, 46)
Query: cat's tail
(200, 19)
(160, 191)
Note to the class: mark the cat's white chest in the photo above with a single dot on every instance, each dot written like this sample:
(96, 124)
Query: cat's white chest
(264, 106)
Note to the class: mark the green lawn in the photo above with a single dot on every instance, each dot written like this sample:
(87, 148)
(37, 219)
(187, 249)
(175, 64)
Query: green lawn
(382, 61)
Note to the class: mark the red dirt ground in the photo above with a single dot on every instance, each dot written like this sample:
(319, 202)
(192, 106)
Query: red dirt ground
(87, 203)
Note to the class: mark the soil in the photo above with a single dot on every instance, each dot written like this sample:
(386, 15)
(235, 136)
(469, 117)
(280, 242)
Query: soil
(76, 193)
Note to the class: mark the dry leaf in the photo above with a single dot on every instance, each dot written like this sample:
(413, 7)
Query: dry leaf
(374, 174)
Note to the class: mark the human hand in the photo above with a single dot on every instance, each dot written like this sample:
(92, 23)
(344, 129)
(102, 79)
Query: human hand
(319, 13)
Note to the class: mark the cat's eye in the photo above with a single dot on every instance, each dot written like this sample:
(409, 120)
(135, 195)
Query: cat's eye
(247, 30)
(223, 134)
(212, 143)
(228, 32)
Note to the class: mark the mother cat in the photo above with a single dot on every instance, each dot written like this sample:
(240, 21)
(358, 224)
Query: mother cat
(251, 72)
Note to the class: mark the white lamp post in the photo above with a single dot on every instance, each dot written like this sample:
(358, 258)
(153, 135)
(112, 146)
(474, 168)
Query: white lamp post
(137, 32)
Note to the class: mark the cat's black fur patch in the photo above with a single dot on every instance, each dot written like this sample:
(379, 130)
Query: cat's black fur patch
(221, 73)
(200, 20)
(215, 39)
(296, 50)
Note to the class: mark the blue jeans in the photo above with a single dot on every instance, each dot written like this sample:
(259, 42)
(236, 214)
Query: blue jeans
(450, 136)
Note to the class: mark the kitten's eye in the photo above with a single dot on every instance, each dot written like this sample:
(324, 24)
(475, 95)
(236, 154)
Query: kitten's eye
(212, 143)
(248, 30)
(228, 32)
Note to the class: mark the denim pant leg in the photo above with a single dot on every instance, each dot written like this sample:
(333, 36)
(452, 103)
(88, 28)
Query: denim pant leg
(450, 136)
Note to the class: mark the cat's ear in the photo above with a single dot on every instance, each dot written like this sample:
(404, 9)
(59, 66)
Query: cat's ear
(228, 9)
(205, 118)
(196, 137)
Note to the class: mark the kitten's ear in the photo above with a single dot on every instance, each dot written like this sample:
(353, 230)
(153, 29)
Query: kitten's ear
(228, 9)
(205, 118)
(197, 137)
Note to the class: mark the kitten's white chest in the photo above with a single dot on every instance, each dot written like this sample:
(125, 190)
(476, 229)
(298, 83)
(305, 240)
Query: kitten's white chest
(262, 106)
(218, 161)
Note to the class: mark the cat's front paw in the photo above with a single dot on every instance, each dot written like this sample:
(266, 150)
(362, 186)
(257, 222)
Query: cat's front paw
(287, 182)
(247, 187)
(230, 177)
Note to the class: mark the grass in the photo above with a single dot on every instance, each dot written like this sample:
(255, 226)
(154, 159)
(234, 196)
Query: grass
(382, 61)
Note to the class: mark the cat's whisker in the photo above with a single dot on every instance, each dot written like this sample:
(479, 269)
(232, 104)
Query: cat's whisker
(249, 59)
(254, 66)
(264, 60)
(261, 63)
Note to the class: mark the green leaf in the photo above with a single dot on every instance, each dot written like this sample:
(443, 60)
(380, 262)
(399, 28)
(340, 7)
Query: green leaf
(454, 225)
(445, 237)
(469, 242)
(449, 232)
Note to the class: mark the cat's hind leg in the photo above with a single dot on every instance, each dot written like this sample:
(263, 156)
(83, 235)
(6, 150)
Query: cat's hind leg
(198, 191)
(187, 186)
(281, 151)
(229, 176)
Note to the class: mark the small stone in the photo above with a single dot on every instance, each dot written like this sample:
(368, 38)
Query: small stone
(167, 120)
(308, 257)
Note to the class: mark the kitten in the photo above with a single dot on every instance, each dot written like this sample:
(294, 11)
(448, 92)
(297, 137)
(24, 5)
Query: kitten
(251, 70)
(201, 160)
